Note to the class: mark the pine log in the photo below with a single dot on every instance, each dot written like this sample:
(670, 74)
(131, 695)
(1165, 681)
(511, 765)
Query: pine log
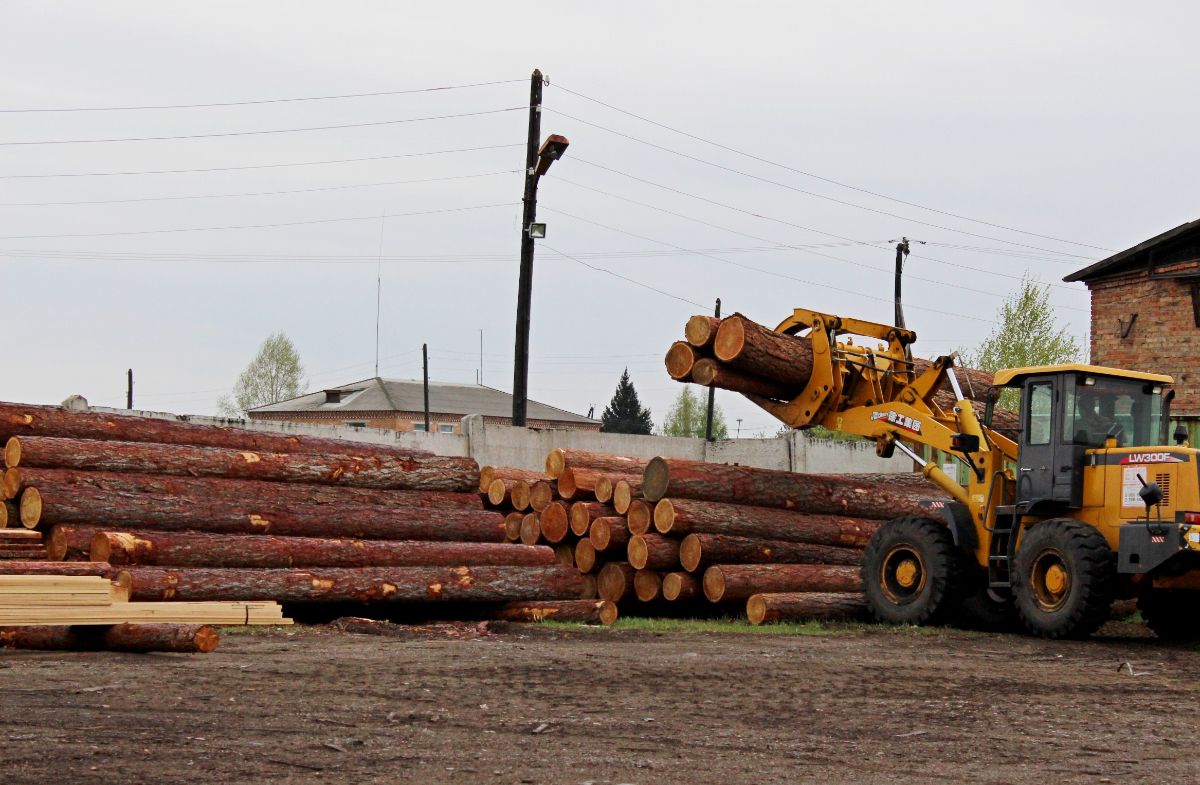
(586, 611)
(653, 552)
(609, 533)
(811, 493)
(680, 586)
(512, 526)
(585, 556)
(177, 638)
(24, 553)
(10, 484)
(409, 472)
(679, 361)
(531, 529)
(18, 419)
(581, 484)
(541, 493)
(625, 490)
(500, 491)
(554, 522)
(647, 585)
(583, 513)
(639, 517)
(84, 506)
(725, 582)
(560, 458)
(615, 581)
(699, 549)
(30, 508)
(103, 569)
(564, 554)
(72, 543)
(710, 373)
(588, 591)
(219, 487)
(390, 584)
(519, 495)
(489, 473)
(758, 350)
(680, 517)
(19, 534)
(791, 606)
(701, 330)
(9, 512)
(193, 549)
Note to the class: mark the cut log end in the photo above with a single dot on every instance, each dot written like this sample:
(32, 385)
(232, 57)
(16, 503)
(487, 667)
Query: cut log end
(31, 508)
(496, 492)
(680, 586)
(587, 591)
(519, 496)
(585, 556)
(604, 490)
(555, 462)
(531, 530)
(12, 452)
(512, 527)
(622, 496)
(486, 475)
(730, 339)
(565, 555)
(647, 585)
(679, 361)
(541, 493)
(700, 330)
(690, 553)
(614, 581)
(608, 613)
(639, 517)
(714, 584)
(654, 479)
(580, 519)
(10, 483)
(554, 522)
(637, 552)
(566, 483)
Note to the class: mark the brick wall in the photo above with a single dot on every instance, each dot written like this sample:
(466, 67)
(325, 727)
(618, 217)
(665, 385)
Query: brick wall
(1164, 339)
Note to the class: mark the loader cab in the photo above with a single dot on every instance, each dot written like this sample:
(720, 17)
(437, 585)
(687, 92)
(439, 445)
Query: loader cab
(1067, 410)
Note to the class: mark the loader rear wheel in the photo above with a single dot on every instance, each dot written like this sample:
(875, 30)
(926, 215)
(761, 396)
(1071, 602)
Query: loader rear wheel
(1173, 614)
(911, 572)
(1065, 576)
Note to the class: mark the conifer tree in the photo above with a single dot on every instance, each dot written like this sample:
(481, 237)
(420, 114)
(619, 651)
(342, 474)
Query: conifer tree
(624, 413)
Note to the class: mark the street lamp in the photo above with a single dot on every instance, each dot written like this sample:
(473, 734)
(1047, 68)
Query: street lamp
(739, 430)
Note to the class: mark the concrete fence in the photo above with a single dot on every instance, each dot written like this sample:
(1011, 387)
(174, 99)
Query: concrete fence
(526, 448)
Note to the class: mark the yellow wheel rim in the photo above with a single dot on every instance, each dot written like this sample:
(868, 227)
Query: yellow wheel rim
(1050, 580)
(902, 574)
(906, 573)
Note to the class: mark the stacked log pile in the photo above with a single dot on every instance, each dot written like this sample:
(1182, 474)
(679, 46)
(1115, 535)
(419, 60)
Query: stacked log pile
(204, 513)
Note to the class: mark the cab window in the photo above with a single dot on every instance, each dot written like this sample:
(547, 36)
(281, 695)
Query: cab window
(1038, 413)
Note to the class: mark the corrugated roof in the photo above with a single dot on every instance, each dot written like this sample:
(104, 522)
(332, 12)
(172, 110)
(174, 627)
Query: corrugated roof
(407, 395)
(1114, 263)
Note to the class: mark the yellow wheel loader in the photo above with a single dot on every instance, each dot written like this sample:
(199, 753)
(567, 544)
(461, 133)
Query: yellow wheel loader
(1084, 504)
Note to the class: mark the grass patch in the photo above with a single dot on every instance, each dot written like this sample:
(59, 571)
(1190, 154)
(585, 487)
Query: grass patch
(261, 629)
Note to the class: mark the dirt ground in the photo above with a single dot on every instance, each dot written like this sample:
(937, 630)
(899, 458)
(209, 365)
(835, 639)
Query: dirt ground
(555, 705)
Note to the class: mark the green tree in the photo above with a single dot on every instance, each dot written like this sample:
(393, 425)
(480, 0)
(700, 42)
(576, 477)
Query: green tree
(1025, 334)
(688, 416)
(275, 374)
(624, 413)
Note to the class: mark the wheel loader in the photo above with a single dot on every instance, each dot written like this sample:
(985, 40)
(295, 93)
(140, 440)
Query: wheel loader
(1083, 504)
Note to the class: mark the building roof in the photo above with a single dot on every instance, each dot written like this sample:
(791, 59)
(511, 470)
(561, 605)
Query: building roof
(407, 395)
(1118, 262)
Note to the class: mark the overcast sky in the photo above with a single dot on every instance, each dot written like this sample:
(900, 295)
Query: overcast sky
(1067, 120)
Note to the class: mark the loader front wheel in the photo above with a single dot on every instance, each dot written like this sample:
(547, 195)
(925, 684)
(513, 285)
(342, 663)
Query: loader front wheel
(911, 572)
(1065, 576)
(1171, 613)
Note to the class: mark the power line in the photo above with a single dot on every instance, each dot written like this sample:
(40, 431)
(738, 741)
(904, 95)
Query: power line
(262, 131)
(808, 193)
(260, 101)
(260, 193)
(622, 277)
(260, 166)
(830, 180)
(255, 226)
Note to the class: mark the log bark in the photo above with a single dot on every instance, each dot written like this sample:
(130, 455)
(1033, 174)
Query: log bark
(580, 484)
(585, 556)
(176, 638)
(583, 513)
(103, 569)
(18, 419)
(408, 472)
(681, 586)
(71, 543)
(639, 517)
(755, 349)
(586, 611)
(828, 494)
(541, 493)
(554, 522)
(679, 361)
(24, 553)
(559, 459)
(363, 584)
(680, 517)
(531, 529)
(793, 606)
(625, 491)
(726, 582)
(647, 585)
(700, 549)
(220, 487)
(83, 506)
(512, 526)
(710, 373)
(615, 581)
(610, 533)
(700, 330)
(192, 549)
(653, 552)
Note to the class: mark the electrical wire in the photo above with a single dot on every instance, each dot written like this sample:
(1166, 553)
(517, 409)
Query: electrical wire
(260, 101)
(263, 131)
(623, 277)
(829, 180)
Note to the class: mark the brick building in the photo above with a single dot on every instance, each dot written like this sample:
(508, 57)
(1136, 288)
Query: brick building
(399, 405)
(1146, 313)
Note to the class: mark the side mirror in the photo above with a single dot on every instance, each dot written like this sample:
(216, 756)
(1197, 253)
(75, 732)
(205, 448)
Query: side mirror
(1181, 434)
(1151, 495)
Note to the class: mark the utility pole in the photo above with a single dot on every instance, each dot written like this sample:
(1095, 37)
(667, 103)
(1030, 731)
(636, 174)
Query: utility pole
(129, 390)
(711, 390)
(901, 254)
(425, 363)
(525, 282)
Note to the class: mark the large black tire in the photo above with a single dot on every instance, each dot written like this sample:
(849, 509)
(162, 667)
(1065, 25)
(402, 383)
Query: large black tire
(1064, 579)
(1173, 614)
(911, 572)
